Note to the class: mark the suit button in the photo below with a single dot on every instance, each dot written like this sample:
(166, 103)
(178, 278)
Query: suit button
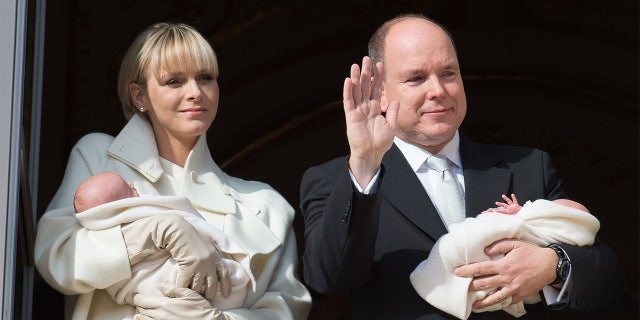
(347, 211)
(226, 190)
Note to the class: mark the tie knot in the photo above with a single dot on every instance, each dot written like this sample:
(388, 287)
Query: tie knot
(438, 162)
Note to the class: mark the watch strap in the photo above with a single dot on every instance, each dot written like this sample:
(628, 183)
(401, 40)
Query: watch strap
(562, 268)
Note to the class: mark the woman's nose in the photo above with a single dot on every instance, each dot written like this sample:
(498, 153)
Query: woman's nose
(193, 90)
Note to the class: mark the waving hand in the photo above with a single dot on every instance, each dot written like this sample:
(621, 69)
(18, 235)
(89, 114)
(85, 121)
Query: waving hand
(370, 133)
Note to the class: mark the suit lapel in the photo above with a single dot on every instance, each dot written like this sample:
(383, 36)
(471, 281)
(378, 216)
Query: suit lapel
(485, 176)
(404, 191)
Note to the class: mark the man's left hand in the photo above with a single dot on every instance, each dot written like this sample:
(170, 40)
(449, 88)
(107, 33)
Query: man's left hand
(518, 270)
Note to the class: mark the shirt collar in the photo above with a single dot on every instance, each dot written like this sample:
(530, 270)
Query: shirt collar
(416, 156)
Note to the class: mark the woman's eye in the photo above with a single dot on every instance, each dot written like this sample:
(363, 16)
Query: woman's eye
(205, 77)
(172, 82)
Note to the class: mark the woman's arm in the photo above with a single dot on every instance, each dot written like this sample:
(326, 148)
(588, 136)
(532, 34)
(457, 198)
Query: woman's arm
(70, 258)
(285, 297)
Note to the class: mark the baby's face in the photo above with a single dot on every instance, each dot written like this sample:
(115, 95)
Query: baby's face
(126, 190)
(134, 192)
(102, 188)
(116, 187)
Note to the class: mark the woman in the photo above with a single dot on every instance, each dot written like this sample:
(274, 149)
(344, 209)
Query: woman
(169, 92)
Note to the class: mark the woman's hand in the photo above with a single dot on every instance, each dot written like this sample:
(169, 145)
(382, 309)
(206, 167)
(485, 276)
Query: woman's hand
(370, 133)
(199, 258)
(179, 303)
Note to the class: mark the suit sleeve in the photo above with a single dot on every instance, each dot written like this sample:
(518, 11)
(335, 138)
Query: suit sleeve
(596, 273)
(341, 227)
(597, 277)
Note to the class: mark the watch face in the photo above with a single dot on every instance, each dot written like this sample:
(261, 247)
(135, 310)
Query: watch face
(564, 269)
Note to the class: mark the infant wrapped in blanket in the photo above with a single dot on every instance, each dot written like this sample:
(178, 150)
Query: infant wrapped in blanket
(541, 222)
(106, 200)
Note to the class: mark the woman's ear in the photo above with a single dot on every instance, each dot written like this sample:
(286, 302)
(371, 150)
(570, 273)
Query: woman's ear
(137, 93)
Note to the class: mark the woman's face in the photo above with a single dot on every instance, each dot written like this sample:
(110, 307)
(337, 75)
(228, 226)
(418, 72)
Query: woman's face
(181, 105)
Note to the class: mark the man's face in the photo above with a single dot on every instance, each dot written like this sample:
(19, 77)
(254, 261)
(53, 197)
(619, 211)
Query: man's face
(423, 75)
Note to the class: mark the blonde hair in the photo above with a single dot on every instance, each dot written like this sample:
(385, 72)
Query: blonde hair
(169, 46)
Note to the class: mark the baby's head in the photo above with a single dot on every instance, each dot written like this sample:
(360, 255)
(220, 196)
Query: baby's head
(100, 189)
(571, 204)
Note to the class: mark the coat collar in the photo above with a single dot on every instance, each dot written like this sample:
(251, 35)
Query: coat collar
(204, 182)
(136, 146)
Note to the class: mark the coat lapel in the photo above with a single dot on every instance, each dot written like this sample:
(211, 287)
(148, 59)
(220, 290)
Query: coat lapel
(404, 191)
(208, 188)
(204, 181)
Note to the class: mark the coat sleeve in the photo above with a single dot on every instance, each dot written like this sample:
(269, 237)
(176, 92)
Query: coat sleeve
(70, 258)
(341, 228)
(285, 296)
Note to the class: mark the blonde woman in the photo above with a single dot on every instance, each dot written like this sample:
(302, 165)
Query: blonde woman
(169, 92)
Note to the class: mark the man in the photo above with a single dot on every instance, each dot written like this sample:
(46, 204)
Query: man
(371, 218)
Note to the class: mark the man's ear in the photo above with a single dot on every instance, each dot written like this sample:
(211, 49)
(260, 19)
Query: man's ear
(384, 104)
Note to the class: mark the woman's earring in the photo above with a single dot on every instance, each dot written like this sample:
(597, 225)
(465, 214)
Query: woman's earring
(141, 109)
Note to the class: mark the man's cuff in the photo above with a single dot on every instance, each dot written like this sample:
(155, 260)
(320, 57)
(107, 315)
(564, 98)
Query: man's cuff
(371, 187)
(558, 299)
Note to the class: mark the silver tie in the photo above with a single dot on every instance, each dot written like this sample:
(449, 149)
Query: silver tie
(448, 194)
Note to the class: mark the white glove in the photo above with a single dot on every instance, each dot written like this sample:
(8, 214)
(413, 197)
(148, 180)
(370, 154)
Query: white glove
(179, 303)
(201, 266)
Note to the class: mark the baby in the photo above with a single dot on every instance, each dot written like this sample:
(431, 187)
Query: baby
(105, 200)
(100, 189)
(540, 222)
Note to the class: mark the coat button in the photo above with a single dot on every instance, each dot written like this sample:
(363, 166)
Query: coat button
(226, 190)
(194, 176)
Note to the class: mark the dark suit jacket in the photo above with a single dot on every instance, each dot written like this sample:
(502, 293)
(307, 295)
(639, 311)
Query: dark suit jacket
(367, 245)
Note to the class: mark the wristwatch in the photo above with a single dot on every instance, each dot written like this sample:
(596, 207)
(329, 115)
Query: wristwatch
(564, 264)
